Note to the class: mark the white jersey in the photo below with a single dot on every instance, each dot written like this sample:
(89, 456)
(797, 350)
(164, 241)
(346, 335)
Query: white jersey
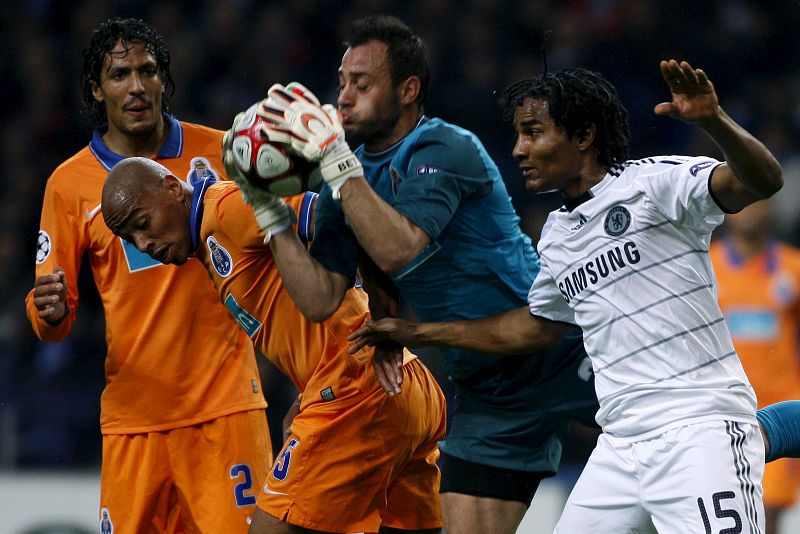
(630, 266)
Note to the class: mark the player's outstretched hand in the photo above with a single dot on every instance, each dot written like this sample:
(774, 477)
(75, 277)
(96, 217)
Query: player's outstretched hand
(313, 131)
(272, 213)
(389, 328)
(693, 96)
(50, 296)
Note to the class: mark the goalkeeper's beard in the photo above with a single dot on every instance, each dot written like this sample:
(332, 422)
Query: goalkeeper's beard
(379, 128)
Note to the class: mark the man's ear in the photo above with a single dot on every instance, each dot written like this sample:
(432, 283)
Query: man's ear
(586, 137)
(97, 93)
(409, 90)
(174, 187)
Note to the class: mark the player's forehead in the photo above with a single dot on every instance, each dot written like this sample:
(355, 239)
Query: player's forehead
(368, 59)
(532, 112)
(126, 53)
(121, 212)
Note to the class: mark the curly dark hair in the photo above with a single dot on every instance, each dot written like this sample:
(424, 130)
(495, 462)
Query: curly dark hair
(129, 31)
(578, 98)
(406, 50)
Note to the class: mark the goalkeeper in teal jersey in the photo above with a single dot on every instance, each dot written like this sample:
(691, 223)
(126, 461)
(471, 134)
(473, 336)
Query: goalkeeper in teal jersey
(427, 204)
(423, 199)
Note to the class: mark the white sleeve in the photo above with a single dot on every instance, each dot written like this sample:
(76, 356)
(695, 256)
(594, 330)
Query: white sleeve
(678, 186)
(545, 299)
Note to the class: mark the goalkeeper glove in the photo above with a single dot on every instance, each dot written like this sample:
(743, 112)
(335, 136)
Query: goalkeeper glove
(272, 213)
(313, 131)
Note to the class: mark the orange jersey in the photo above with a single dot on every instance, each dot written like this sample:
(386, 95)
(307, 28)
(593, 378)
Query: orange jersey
(175, 357)
(355, 458)
(761, 302)
(231, 245)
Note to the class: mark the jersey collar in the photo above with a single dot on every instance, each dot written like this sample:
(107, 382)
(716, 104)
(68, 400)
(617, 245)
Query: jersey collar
(196, 211)
(571, 203)
(172, 147)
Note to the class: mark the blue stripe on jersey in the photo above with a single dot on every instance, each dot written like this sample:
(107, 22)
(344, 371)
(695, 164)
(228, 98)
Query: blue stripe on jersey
(304, 218)
(196, 210)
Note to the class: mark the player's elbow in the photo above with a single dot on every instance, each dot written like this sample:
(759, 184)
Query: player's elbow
(320, 309)
(319, 312)
(396, 258)
(398, 253)
(770, 182)
(775, 179)
(393, 263)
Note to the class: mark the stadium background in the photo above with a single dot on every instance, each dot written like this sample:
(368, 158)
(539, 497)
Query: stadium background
(225, 54)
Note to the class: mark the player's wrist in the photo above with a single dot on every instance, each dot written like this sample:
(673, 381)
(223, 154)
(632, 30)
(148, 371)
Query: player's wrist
(274, 218)
(56, 322)
(338, 166)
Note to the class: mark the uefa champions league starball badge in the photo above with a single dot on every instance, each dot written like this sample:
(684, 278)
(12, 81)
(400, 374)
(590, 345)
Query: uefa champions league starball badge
(43, 245)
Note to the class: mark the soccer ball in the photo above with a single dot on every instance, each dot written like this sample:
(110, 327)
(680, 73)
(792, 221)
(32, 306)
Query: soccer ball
(267, 164)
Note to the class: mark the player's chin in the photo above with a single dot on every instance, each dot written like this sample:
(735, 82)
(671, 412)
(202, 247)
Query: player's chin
(533, 186)
(350, 128)
(179, 259)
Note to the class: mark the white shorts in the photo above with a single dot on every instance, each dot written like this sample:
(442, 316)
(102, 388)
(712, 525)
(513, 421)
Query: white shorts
(700, 478)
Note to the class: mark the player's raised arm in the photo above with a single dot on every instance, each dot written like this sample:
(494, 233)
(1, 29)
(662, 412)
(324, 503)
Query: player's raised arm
(390, 238)
(505, 334)
(751, 172)
(316, 291)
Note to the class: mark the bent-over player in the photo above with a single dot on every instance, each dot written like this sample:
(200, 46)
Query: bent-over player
(355, 458)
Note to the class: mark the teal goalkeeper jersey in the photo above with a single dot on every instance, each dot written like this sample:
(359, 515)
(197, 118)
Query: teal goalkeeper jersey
(478, 263)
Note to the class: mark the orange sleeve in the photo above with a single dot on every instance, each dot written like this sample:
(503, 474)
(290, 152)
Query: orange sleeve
(63, 232)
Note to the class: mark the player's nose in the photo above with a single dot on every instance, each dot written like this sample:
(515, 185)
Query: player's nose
(518, 151)
(345, 97)
(143, 244)
(136, 84)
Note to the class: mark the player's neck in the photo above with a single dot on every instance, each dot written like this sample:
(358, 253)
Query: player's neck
(128, 145)
(405, 124)
(589, 177)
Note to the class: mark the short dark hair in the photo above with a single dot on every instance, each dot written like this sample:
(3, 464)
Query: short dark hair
(129, 31)
(406, 50)
(578, 98)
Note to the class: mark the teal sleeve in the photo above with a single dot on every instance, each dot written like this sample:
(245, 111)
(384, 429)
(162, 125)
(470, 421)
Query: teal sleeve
(445, 170)
(781, 424)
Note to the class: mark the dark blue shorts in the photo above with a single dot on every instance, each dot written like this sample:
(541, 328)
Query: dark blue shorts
(513, 415)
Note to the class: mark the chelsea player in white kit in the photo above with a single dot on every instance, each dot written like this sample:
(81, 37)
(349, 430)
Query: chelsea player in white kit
(626, 259)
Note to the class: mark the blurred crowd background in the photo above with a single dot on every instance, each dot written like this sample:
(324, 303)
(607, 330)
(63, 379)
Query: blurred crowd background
(225, 54)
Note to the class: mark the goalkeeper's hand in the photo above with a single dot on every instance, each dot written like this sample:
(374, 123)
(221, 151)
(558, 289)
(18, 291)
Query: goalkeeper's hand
(272, 213)
(311, 130)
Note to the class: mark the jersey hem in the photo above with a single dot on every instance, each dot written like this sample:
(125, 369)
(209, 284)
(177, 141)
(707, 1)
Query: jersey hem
(739, 418)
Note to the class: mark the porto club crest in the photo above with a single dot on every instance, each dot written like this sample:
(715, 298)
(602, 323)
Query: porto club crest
(220, 258)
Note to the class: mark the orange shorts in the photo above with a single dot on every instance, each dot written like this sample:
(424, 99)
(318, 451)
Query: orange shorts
(201, 478)
(356, 463)
(781, 482)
